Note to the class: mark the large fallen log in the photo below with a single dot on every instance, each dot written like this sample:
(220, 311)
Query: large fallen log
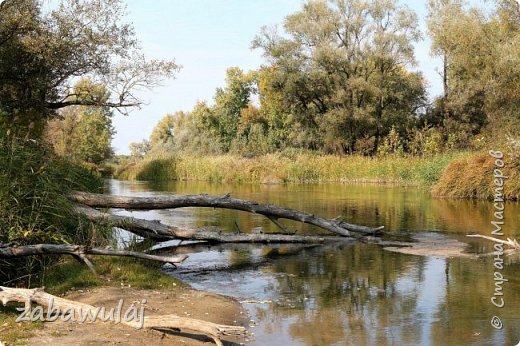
(38, 296)
(154, 230)
(79, 252)
(159, 231)
(274, 213)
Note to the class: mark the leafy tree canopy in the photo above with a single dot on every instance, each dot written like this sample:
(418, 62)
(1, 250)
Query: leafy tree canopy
(43, 53)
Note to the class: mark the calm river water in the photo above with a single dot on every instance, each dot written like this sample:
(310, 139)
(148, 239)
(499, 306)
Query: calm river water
(352, 294)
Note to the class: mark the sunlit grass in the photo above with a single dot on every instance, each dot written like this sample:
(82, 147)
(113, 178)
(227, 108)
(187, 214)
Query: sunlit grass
(473, 177)
(12, 332)
(292, 168)
(70, 275)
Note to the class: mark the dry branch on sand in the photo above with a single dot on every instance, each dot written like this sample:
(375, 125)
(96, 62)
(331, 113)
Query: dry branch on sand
(38, 296)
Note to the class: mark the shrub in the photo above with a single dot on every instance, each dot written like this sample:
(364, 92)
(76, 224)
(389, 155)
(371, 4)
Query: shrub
(34, 207)
(433, 143)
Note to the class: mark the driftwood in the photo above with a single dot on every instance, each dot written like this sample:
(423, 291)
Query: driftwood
(274, 213)
(512, 243)
(38, 296)
(159, 231)
(79, 252)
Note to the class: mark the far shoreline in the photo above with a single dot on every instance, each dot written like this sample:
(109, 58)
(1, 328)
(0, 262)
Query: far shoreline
(459, 175)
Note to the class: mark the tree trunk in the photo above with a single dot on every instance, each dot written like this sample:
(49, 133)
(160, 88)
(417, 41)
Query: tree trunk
(273, 212)
(159, 231)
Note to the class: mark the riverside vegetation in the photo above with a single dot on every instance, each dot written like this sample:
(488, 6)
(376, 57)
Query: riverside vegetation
(337, 100)
(325, 107)
(55, 130)
(290, 167)
(331, 105)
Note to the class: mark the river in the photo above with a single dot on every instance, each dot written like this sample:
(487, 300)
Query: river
(352, 294)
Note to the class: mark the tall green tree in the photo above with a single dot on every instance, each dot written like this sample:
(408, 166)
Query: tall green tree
(229, 102)
(480, 49)
(164, 131)
(82, 134)
(342, 68)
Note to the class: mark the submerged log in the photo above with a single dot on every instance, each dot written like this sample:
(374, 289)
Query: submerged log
(38, 296)
(80, 252)
(274, 213)
(159, 231)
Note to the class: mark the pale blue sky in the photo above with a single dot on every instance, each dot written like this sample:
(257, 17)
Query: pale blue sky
(206, 37)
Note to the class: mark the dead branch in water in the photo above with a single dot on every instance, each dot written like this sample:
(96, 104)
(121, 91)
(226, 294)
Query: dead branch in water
(38, 296)
(80, 252)
(513, 243)
(274, 213)
(159, 231)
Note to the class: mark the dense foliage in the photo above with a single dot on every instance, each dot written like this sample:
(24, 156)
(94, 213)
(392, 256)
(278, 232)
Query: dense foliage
(340, 78)
(43, 52)
(63, 68)
(34, 207)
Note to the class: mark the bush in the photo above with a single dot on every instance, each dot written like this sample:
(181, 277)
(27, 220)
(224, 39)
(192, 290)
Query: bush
(157, 170)
(34, 207)
(433, 143)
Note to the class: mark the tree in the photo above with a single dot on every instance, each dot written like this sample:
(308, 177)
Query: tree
(139, 150)
(342, 70)
(82, 134)
(229, 102)
(280, 130)
(481, 54)
(43, 52)
(163, 132)
(95, 134)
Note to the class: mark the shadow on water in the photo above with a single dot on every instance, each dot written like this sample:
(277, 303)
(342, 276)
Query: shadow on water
(356, 293)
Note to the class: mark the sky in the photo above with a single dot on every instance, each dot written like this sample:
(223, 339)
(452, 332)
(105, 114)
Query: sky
(206, 37)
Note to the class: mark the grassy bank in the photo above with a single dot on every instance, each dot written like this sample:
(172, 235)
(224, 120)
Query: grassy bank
(473, 177)
(291, 168)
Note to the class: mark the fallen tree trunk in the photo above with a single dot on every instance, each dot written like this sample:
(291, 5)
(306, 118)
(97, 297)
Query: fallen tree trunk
(274, 213)
(38, 296)
(159, 231)
(144, 228)
(80, 252)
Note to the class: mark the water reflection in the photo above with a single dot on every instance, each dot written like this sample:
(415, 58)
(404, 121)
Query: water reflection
(398, 208)
(354, 294)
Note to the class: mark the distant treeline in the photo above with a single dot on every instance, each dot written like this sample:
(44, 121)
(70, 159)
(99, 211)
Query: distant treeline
(339, 79)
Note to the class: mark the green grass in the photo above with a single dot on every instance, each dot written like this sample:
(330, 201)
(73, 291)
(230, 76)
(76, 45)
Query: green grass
(72, 275)
(300, 167)
(11, 332)
(34, 204)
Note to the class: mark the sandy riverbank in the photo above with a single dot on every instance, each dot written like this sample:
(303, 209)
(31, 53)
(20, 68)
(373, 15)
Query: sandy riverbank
(184, 302)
